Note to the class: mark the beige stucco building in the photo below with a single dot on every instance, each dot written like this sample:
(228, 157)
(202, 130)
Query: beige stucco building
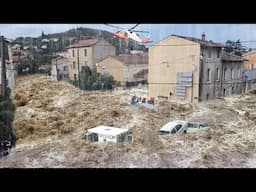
(249, 60)
(126, 69)
(166, 59)
(10, 70)
(61, 65)
(87, 53)
(192, 69)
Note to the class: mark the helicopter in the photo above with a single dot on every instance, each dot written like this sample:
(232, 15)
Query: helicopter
(130, 33)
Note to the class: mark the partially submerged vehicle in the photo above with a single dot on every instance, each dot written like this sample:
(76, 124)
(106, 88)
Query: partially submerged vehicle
(179, 126)
(105, 134)
(173, 127)
(196, 126)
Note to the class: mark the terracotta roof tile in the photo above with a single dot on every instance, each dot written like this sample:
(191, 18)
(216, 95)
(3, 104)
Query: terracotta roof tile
(60, 61)
(132, 59)
(231, 57)
(202, 42)
(84, 43)
(140, 73)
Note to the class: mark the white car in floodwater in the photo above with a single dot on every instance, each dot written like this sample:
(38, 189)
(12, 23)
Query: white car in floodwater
(196, 126)
(179, 126)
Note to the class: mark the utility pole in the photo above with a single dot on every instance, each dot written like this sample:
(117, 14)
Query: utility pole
(56, 65)
(3, 67)
(192, 79)
(57, 70)
(78, 67)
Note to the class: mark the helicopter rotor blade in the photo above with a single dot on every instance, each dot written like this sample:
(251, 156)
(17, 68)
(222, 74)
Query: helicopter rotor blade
(133, 27)
(141, 31)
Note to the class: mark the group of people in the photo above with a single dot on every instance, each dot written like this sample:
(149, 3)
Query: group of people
(136, 100)
(6, 145)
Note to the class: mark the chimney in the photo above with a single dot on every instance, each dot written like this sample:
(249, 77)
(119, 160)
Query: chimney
(203, 37)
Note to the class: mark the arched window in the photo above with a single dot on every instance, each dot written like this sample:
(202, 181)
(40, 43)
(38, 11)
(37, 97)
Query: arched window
(208, 74)
(218, 73)
(225, 74)
(207, 96)
(238, 72)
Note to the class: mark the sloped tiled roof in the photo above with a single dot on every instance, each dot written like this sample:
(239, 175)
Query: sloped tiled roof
(202, 42)
(231, 57)
(132, 59)
(249, 53)
(60, 61)
(141, 73)
(84, 43)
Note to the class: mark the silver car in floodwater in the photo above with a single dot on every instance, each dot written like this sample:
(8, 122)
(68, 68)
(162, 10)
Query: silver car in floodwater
(196, 126)
(179, 126)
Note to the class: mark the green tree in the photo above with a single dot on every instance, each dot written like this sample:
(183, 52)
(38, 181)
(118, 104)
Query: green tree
(235, 47)
(7, 109)
(90, 80)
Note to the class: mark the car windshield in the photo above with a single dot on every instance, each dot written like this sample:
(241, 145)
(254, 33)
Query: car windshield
(178, 127)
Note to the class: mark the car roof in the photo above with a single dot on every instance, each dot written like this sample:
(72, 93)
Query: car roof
(197, 122)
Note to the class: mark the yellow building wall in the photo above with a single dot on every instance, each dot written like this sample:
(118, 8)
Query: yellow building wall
(112, 67)
(93, 54)
(166, 59)
(251, 61)
(79, 53)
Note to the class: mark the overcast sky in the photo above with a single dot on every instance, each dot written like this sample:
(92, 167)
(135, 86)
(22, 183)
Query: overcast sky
(216, 32)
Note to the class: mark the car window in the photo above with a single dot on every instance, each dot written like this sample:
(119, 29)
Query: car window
(178, 127)
(192, 125)
(164, 132)
(174, 131)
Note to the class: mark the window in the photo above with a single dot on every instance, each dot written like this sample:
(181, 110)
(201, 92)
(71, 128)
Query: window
(218, 73)
(218, 53)
(225, 74)
(192, 125)
(65, 68)
(238, 72)
(73, 52)
(207, 96)
(177, 127)
(164, 132)
(209, 53)
(75, 77)
(85, 63)
(208, 74)
(224, 92)
(85, 52)
(233, 90)
(232, 73)
(74, 64)
(202, 125)
(174, 131)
